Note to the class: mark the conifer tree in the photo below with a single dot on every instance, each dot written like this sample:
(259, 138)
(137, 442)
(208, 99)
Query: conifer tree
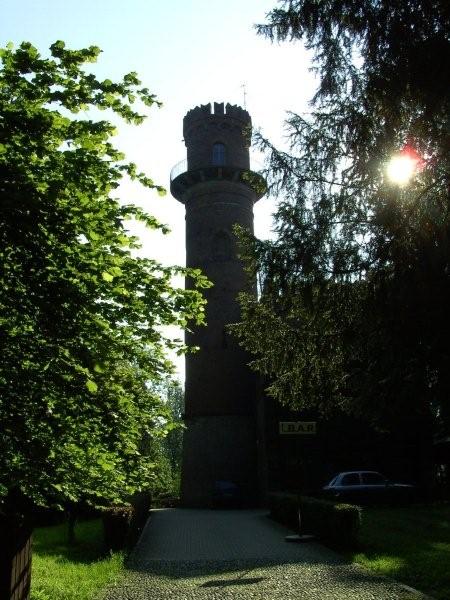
(354, 294)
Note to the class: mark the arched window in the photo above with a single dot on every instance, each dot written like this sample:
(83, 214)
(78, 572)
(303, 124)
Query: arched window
(218, 154)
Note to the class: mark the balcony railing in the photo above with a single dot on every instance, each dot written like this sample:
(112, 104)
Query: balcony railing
(182, 167)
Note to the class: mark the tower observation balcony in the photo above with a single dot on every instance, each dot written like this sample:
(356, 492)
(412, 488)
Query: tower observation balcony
(182, 177)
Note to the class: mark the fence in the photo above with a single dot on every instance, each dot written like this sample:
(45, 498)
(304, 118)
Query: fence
(15, 560)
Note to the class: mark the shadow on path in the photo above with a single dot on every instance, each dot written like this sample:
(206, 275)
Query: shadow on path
(207, 555)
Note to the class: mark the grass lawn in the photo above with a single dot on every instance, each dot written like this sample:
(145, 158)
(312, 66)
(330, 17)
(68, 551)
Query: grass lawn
(409, 544)
(78, 572)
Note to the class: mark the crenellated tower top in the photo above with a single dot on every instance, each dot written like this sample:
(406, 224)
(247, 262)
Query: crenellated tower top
(205, 111)
(217, 139)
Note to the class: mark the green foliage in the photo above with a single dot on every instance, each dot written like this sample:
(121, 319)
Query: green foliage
(77, 572)
(163, 477)
(173, 442)
(81, 316)
(355, 289)
(165, 451)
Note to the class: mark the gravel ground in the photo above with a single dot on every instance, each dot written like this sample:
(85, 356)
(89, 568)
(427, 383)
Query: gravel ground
(187, 554)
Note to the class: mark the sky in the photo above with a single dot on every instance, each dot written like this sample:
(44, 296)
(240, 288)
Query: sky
(187, 52)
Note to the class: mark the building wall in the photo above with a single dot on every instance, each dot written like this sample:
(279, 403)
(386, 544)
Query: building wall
(218, 448)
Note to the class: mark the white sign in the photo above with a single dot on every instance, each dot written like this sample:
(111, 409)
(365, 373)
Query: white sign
(298, 427)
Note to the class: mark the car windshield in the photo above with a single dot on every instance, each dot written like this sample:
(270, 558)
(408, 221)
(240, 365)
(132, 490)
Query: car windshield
(373, 479)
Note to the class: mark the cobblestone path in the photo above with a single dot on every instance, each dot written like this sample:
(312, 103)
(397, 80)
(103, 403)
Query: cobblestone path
(186, 554)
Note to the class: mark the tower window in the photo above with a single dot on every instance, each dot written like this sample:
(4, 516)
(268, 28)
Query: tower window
(218, 154)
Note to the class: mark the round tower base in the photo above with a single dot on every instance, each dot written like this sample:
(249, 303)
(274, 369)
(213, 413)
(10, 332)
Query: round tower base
(219, 449)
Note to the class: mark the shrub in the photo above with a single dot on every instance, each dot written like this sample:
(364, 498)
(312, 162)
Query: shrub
(166, 501)
(116, 525)
(337, 524)
(141, 503)
(333, 522)
(122, 525)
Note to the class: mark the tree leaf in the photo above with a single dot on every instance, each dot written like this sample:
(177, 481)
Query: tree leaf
(91, 386)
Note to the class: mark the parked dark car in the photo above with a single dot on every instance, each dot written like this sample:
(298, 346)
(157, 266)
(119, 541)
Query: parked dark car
(367, 487)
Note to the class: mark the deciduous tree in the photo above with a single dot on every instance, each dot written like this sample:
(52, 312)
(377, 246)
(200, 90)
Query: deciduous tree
(82, 316)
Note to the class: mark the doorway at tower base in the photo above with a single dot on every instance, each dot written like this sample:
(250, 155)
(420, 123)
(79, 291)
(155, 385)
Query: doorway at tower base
(219, 449)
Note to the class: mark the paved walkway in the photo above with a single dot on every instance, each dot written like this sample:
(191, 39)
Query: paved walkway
(207, 555)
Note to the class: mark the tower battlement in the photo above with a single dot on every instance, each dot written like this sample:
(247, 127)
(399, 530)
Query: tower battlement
(212, 111)
(238, 113)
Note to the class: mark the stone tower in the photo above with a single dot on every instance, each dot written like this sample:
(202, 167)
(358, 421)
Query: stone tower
(218, 189)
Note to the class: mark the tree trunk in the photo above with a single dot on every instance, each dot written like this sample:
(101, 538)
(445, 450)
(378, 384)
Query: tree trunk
(71, 521)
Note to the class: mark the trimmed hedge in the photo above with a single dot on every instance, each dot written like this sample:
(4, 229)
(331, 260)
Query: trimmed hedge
(142, 503)
(116, 525)
(122, 525)
(334, 522)
(166, 501)
(337, 524)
